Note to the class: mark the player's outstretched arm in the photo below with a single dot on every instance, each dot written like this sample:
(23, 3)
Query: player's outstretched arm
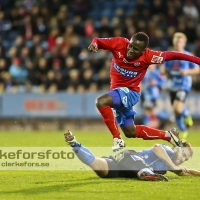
(172, 55)
(162, 155)
(189, 172)
(103, 43)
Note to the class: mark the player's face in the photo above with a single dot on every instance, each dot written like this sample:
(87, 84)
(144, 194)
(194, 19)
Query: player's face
(135, 49)
(179, 157)
(179, 44)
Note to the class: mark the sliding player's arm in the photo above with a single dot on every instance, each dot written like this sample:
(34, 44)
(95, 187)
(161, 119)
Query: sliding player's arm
(189, 172)
(161, 153)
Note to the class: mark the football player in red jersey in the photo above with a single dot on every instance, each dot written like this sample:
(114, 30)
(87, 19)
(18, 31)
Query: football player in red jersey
(128, 67)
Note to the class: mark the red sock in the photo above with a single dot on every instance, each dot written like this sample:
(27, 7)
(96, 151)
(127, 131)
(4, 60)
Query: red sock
(148, 133)
(109, 120)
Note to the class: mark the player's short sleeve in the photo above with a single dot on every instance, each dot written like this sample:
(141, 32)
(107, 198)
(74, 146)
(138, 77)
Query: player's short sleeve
(148, 155)
(193, 65)
(168, 150)
(155, 57)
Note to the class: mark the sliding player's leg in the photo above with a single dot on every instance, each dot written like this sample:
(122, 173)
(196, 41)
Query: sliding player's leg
(99, 165)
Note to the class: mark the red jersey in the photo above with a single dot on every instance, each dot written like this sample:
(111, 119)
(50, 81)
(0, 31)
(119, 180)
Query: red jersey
(125, 72)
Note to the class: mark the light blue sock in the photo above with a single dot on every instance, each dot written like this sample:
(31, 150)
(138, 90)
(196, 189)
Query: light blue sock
(163, 115)
(185, 112)
(146, 120)
(83, 154)
(180, 122)
(147, 170)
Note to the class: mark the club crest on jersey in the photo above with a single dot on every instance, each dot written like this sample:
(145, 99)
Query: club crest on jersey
(146, 156)
(137, 64)
(156, 59)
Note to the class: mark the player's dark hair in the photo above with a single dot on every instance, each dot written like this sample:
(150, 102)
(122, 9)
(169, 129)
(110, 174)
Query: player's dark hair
(141, 36)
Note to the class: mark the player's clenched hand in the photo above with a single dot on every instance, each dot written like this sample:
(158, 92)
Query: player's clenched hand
(93, 47)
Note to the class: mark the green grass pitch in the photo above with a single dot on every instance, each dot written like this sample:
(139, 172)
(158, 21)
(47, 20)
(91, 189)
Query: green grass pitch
(84, 184)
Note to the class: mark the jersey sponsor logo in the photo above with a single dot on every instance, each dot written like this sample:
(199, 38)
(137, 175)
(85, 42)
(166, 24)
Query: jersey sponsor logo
(156, 59)
(125, 72)
(174, 72)
(137, 64)
(137, 158)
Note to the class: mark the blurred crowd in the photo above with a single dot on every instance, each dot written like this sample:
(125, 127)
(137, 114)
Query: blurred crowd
(43, 43)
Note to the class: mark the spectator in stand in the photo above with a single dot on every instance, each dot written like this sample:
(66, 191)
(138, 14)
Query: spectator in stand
(27, 29)
(103, 80)
(3, 66)
(38, 53)
(50, 78)
(81, 7)
(157, 7)
(42, 69)
(87, 77)
(70, 64)
(78, 27)
(5, 26)
(74, 80)
(57, 65)
(105, 30)
(190, 10)
(63, 17)
(41, 28)
(18, 72)
(74, 49)
(58, 29)
(89, 27)
(19, 43)
(60, 81)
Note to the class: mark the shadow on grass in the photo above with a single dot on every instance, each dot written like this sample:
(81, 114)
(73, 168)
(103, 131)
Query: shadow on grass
(62, 187)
